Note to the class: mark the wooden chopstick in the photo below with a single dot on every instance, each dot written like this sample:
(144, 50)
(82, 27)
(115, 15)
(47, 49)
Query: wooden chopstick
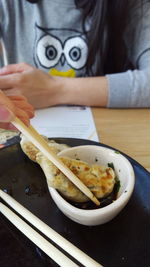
(79, 255)
(36, 238)
(42, 145)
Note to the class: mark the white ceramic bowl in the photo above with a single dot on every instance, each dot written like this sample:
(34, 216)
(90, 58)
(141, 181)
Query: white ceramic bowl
(125, 173)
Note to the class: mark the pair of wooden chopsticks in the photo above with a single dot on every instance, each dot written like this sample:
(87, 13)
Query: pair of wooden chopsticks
(42, 145)
(39, 240)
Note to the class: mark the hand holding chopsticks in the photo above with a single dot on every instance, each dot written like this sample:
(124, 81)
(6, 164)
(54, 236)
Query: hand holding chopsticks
(42, 145)
(40, 241)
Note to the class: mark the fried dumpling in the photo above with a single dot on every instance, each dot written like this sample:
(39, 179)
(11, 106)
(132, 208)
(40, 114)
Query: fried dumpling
(31, 151)
(99, 179)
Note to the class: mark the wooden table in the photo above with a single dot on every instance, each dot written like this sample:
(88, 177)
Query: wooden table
(127, 130)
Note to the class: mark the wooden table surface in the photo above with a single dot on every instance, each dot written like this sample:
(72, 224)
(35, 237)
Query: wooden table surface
(127, 130)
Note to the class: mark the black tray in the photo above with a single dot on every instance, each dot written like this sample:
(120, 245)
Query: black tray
(124, 241)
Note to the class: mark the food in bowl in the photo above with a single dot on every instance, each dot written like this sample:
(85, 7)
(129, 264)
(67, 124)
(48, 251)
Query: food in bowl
(75, 206)
(99, 179)
(124, 186)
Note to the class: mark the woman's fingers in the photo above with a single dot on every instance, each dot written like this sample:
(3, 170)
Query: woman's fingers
(14, 68)
(10, 75)
(18, 97)
(29, 112)
(12, 92)
(14, 106)
(21, 102)
(5, 114)
(8, 126)
(39, 87)
(5, 117)
(5, 102)
(9, 81)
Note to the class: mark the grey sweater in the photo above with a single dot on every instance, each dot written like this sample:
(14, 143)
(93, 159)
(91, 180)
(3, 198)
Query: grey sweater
(48, 35)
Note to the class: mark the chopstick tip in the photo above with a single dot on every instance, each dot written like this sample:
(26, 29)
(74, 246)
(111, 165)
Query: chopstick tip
(96, 201)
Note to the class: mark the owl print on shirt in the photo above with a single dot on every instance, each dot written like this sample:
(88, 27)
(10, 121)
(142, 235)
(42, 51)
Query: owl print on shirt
(61, 52)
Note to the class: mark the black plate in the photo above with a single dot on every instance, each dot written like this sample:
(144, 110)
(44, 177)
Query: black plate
(124, 241)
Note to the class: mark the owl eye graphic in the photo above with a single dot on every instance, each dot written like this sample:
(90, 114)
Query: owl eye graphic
(75, 51)
(49, 50)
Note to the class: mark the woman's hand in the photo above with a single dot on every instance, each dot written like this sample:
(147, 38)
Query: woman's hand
(14, 106)
(43, 90)
(40, 89)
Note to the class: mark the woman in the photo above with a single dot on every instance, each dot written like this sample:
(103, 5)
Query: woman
(80, 52)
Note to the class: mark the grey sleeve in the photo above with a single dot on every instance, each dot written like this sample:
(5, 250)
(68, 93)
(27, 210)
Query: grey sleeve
(132, 88)
(129, 89)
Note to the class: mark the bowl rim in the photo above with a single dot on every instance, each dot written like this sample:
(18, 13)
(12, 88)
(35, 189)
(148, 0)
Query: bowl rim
(119, 202)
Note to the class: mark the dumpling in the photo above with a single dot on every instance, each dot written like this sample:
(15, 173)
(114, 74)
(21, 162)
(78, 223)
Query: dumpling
(99, 179)
(31, 151)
